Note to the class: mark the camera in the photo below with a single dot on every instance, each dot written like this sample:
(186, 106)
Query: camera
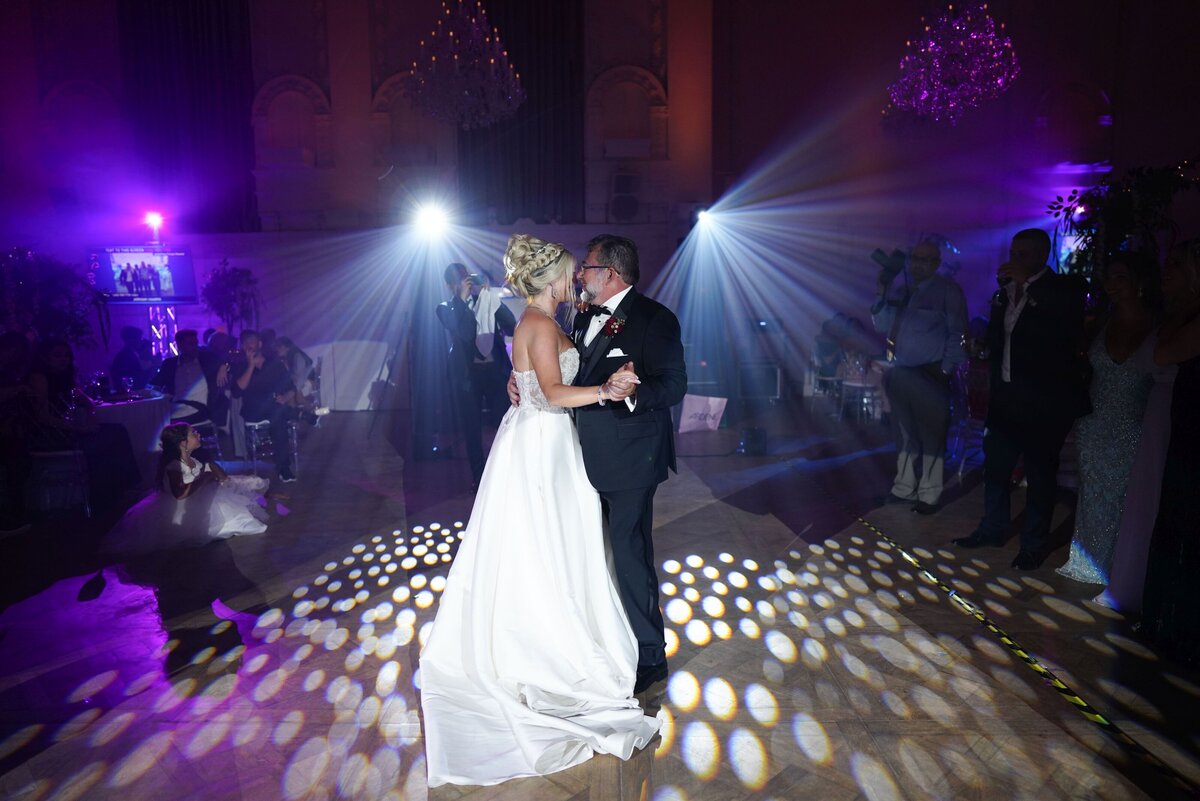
(475, 278)
(891, 265)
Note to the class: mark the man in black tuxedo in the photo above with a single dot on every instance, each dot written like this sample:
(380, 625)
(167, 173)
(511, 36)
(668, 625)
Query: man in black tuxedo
(1037, 390)
(479, 365)
(195, 380)
(628, 443)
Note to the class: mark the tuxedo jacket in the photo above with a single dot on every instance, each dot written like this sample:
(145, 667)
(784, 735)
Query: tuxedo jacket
(1046, 363)
(623, 449)
(210, 363)
(459, 321)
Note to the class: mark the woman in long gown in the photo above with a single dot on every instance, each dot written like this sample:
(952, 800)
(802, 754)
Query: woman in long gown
(1122, 359)
(1170, 604)
(195, 502)
(531, 662)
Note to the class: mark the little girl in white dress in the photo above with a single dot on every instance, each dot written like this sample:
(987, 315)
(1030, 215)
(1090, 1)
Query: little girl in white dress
(195, 502)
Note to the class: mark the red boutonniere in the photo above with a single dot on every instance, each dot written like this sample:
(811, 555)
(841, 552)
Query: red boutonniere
(613, 327)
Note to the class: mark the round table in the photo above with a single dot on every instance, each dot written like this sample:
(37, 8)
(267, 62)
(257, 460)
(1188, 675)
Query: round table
(144, 419)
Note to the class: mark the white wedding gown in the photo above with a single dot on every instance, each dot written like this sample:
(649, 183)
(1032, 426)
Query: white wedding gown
(160, 521)
(530, 665)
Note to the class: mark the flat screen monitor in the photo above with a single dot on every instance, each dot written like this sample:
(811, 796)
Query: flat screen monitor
(149, 274)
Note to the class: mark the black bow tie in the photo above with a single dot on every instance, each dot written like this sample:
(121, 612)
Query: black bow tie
(592, 308)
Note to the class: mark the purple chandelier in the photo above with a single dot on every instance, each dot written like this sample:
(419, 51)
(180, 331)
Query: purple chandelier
(463, 76)
(955, 64)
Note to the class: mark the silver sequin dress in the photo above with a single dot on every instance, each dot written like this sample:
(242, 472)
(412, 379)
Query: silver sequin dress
(1107, 440)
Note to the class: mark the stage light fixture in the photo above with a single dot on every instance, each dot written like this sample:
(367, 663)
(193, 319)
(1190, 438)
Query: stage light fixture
(432, 220)
(155, 221)
(702, 217)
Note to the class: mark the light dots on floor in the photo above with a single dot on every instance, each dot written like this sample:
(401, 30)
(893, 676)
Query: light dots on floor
(698, 633)
(683, 691)
(701, 750)
(762, 705)
(672, 642)
(720, 699)
(678, 611)
(713, 606)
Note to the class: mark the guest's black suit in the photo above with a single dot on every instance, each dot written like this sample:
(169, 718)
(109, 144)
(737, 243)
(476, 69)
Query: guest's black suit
(217, 408)
(1031, 414)
(471, 379)
(627, 453)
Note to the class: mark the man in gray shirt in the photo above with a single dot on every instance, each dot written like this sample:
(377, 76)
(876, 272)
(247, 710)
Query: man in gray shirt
(925, 323)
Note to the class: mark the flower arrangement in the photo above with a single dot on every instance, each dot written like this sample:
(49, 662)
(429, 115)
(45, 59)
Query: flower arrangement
(1131, 212)
(613, 327)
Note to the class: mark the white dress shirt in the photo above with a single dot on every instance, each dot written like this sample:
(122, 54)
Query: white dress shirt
(1012, 313)
(601, 318)
(598, 322)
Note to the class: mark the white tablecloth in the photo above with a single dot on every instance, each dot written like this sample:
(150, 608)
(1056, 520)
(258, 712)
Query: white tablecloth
(144, 420)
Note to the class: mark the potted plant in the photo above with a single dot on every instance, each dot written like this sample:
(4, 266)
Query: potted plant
(1128, 213)
(232, 294)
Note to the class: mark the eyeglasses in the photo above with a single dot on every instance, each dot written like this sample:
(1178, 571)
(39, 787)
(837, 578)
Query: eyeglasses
(593, 267)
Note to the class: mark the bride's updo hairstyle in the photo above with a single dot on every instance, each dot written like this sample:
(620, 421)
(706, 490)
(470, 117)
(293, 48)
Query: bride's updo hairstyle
(531, 264)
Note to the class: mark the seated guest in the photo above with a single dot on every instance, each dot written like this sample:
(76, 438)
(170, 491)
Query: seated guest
(65, 419)
(194, 380)
(127, 364)
(1122, 360)
(298, 363)
(148, 361)
(193, 502)
(828, 348)
(267, 393)
(267, 338)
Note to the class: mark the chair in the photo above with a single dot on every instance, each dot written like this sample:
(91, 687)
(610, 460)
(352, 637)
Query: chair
(314, 381)
(209, 436)
(258, 434)
(864, 398)
(59, 478)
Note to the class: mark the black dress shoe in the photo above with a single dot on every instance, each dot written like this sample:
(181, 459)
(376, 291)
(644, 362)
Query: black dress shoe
(892, 498)
(922, 508)
(648, 675)
(977, 540)
(1028, 560)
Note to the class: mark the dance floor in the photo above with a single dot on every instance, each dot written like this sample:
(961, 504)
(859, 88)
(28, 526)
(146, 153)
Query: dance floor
(809, 657)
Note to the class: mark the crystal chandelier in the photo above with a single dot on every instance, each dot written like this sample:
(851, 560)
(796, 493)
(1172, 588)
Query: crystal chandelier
(955, 64)
(463, 76)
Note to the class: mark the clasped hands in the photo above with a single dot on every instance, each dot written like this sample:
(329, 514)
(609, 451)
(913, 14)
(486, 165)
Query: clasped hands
(622, 384)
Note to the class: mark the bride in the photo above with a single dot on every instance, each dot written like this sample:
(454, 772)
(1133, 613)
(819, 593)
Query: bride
(531, 663)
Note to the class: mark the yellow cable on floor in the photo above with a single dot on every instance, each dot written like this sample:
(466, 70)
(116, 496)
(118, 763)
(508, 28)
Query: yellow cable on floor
(1066, 692)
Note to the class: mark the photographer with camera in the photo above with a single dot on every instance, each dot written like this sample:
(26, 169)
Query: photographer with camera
(925, 322)
(477, 322)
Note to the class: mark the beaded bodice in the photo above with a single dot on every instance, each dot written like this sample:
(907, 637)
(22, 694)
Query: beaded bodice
(531, 390)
